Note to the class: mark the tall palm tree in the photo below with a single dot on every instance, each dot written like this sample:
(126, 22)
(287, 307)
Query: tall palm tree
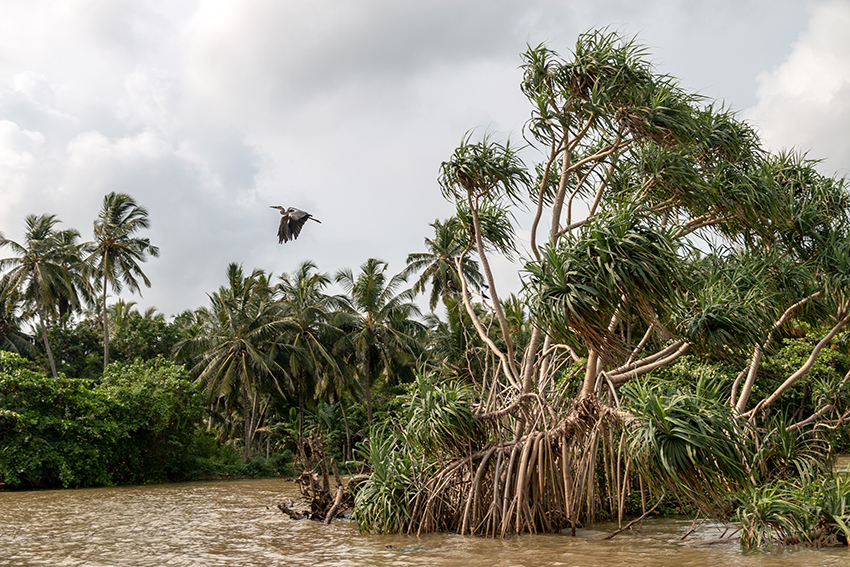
(116, 253)
(304, 305)
(38, 275)
(383, 329)
(234, 353)
(438, 263)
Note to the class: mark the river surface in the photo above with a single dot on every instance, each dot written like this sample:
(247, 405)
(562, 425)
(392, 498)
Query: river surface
(236, 523)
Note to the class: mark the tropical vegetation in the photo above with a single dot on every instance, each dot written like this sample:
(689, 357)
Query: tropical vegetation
(681, 334)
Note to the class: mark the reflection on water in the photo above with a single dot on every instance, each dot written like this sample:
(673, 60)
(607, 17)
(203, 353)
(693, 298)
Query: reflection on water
(236, 523)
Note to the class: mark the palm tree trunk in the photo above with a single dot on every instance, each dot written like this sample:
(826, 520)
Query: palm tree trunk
(368, 390)
(347, 452)
(248, 420)
(47, 344)
(300, 412)
(105, 321)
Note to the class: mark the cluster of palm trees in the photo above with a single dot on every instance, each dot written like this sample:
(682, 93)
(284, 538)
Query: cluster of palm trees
(264, 343)
(52, 273)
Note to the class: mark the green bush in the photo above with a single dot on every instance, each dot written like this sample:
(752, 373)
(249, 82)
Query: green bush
(160, 409)
(54, 431)
(142, 423)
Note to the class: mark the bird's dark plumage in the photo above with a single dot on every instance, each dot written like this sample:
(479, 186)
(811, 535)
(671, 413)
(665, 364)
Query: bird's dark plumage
(291, 221)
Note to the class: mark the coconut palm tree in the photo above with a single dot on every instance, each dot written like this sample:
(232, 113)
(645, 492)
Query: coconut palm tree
(39, 275)
(116, 252)
(234, 353)
(311, 359)
(437, 265)
(383, 334)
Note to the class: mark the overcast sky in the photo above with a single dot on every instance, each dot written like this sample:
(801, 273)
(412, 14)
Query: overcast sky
(209, 112)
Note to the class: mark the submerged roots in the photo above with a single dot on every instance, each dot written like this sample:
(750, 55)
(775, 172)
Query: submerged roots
(544, 482)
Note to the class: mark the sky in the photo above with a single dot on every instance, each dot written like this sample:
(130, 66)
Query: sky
(208, 112)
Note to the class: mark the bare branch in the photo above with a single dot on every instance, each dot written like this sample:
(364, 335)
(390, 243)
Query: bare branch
(802, 371)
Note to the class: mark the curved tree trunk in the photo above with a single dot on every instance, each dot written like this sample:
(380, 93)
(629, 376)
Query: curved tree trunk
(47, 343)
(105, 321)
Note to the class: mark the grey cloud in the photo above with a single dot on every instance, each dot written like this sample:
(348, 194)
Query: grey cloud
(209, 112)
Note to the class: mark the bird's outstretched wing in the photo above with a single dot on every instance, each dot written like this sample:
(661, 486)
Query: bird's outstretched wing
(291, 221)
(297, 218)
(283, 232)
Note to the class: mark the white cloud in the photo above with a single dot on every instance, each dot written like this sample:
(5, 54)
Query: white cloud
(18, 162)
(804, 103)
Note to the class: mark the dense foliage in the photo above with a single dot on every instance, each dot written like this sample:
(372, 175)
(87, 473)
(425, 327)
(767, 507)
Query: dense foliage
(681, 334)
(138, 425)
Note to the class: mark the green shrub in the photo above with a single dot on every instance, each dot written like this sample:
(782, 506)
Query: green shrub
(54, 431)
(160, 408)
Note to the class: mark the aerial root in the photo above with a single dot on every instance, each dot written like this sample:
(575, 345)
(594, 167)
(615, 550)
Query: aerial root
(543, 482)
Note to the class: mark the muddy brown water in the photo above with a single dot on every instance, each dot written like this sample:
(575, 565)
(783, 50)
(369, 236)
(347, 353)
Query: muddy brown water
(236, 523)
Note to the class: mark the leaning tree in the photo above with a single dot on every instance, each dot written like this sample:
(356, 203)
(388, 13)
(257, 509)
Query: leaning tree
(670, 230)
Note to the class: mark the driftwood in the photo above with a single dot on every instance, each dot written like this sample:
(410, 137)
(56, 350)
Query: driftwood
(337, 502)
(317, 501)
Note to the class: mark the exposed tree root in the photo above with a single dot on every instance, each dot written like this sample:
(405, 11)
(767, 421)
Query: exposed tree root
(543, 482)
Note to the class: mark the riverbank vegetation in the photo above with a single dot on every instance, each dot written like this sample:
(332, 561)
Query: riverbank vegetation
(680, 337)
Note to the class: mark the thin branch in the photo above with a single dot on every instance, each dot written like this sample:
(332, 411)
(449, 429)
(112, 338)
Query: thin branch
(647, 360)
(802, 371)
(507, 369)
(641, 344)
(543, 182)
(636, 520)
(820, 412)
(625, 377)
(757, 354)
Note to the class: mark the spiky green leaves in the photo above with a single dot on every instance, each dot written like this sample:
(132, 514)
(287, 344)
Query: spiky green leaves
(620, 260)
(485, 169)
(45, 267)
(116, 251)
(439, 417)
(686, 440)
(609, 86)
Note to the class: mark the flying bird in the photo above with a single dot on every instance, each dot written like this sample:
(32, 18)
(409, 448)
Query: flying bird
(291, 221)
